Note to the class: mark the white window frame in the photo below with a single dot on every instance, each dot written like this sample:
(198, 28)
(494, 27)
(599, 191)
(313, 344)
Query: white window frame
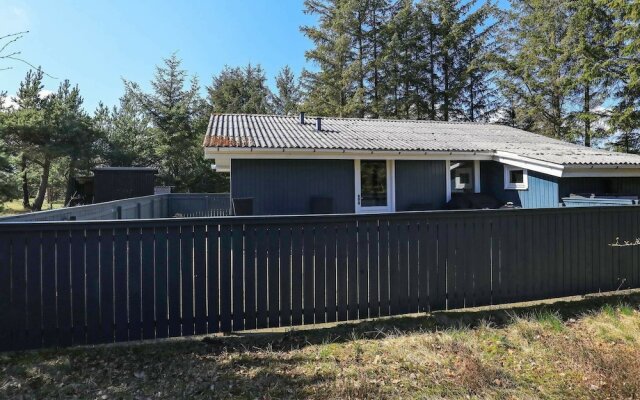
(391, 190)
(462, 186)
(508, 185)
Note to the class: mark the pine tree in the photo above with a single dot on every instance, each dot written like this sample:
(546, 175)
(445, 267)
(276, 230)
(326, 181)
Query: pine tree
(625, 118)
(287, 100)
(175, 112)
(333, 89)
(590, 50)
(535, 65)
(128, 139)
(240, 90)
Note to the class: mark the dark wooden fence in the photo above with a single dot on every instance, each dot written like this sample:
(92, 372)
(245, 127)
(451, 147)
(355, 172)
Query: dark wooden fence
(156, 206)
(71, 283)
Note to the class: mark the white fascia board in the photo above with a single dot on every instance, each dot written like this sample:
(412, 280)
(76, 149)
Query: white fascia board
(239, 153)
(613, 171)
(529, 163)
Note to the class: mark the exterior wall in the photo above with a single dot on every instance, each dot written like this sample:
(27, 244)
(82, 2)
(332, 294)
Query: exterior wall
(285, 187)
(420, 185)
(112, 185)
(600, 185)
(543, 189)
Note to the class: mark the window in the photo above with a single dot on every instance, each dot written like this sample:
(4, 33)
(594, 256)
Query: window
(373, 178)
(374, 186)
(515, 178)
(462, 176)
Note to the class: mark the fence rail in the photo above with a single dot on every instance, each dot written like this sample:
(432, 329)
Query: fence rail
(155, 206)
(71, 283)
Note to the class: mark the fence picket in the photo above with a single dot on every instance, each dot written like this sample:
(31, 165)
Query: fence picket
(91, 282)
(106, 285)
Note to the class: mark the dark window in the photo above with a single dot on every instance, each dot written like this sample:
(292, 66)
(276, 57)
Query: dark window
(465, 178)
(373, 180)
(516, 176)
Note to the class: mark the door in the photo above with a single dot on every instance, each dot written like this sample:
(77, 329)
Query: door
(374, 186)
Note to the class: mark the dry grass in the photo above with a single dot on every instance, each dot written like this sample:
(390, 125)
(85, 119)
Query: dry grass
(583, 349)
(15, 207)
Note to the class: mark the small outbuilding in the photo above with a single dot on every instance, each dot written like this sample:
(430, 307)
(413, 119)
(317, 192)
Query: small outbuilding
(115, 183)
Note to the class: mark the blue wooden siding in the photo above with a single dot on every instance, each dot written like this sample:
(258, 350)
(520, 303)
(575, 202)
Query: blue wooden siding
(285, 187)
(542, 193)
(420, 185)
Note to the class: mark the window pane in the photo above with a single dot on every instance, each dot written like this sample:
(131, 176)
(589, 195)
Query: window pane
(516, 176)
(464, 178)
(373, 180)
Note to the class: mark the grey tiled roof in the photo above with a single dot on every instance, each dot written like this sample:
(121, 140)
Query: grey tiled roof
(277, 132)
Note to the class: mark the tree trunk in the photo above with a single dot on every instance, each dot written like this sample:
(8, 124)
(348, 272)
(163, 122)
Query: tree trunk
(445, 92)
(586, 110)
(42, 187)
(361, 65)
(70, 181)
(432, 76)
(25, 183)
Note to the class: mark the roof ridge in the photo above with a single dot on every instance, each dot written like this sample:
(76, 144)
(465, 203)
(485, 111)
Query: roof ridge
(425, 121)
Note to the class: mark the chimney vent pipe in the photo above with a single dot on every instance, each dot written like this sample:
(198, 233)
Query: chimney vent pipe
(318, 124)
(302, 118)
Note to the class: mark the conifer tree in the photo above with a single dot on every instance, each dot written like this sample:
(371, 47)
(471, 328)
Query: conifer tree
(287, 100)
(535, 65)
(240, 90)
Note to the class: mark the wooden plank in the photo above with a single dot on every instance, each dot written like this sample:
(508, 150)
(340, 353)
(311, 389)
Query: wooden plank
(237, 254)
(120, 277)
(173, 275)
(374, 270)
(423, 266)
(213, 279)
(320, 275)
(92, 268)
(34, 294)
(589, 251)
(483, 277)
(250, 277)
(459, 232)
(148, 283)
(296, 275)
(582, 252)
(331, 288)
(63, 285)
(6, 342)
(262, 296)
(438, 271)
(18, 291)
(186, 274)
(403, 267)
(363, 269)
(413, 272)
(135, 287)
(225, 278)
(78, 286)
(308, 295)
(161, 282)
(285, 275)
(394, 271)
(383, 266)
(106, 286)
(49, 313)
(342, 265)
(200, 279)
(274, 276)
(352, 271)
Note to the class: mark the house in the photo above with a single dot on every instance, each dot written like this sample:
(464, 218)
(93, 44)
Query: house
(298, 165)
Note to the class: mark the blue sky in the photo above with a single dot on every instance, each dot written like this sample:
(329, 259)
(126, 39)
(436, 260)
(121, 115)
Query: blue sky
(96, 43)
